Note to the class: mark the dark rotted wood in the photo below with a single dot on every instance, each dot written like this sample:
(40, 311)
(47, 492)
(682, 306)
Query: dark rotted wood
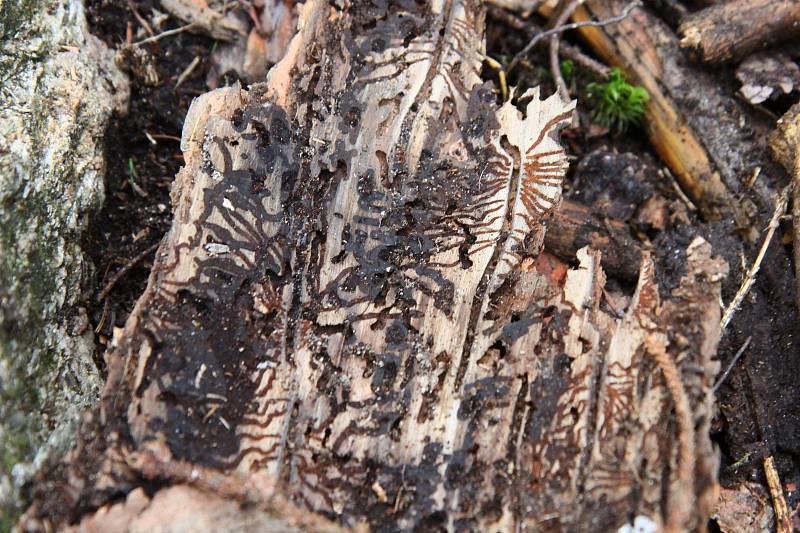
(575, 226)
(351, 307)
(729, 31)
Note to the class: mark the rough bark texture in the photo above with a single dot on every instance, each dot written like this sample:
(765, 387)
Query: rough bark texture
(60, 86)
(352, 300)
(731, 30)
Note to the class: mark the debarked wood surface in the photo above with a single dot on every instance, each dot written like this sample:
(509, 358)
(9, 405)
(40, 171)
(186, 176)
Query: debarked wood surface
(353, 301)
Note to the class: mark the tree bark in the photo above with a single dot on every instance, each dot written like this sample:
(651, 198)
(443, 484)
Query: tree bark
(352, 302)
(60, 88)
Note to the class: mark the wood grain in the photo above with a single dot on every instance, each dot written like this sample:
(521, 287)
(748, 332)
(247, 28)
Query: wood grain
(352, 301)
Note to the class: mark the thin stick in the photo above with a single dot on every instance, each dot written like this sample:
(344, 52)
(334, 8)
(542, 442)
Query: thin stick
(750, 278)
(598, 23)
(113, 281)
(187, 71)
(555, 66)
(555, 69)
(679, 191)
(164, 34)
(778, 501)
(573, 52)
(165, 136)
(141, 20)
(736, 357)
(565, 49)
(680, 506)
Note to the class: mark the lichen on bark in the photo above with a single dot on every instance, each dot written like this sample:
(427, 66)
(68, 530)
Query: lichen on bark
(59, 88)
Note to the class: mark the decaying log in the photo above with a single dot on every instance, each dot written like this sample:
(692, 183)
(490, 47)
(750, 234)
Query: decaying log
(351, 301)
(731, 30)
(575, 226)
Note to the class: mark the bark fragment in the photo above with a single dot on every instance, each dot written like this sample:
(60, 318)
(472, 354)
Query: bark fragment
(731, 30)
(352, 301)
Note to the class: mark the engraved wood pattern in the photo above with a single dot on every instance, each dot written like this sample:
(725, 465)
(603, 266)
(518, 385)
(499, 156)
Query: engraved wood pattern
(352, 298)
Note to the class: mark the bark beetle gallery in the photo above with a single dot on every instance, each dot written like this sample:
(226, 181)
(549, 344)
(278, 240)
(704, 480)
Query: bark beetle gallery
(352, 300)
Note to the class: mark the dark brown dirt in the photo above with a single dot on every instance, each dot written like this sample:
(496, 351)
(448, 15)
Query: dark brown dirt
(136, 216)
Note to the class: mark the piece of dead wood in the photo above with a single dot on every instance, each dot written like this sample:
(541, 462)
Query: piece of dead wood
(782, 522)
(226, 26)
(745, 508)
(265, 45)
(783, 144)
(202, 500)
(575, 226)
(731, 30)
(767, 75)
(352, 296)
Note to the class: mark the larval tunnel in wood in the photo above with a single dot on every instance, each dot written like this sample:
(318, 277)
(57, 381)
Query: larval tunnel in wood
(352, 299)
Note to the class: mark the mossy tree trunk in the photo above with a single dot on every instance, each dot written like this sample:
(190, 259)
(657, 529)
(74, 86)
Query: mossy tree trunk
(59, 88)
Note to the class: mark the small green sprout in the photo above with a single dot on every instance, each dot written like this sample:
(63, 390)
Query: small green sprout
(617, 104)
(132, 174)
(567, 68)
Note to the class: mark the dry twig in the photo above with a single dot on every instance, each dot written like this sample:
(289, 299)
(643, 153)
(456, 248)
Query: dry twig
(133, 262)
(736, 357)
(560, 29)
(187, 71)
(163, 34)
(555, 66)
(750, 277)
(567, 50)
(782, 524)
(142, 22)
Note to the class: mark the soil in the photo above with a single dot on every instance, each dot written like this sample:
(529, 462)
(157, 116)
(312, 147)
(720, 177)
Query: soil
(140, 171)
(758, 413)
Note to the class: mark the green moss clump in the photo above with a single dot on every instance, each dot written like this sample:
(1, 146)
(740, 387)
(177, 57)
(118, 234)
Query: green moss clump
(616, 104)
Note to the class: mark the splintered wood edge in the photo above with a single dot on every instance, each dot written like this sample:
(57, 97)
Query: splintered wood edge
(576, 441)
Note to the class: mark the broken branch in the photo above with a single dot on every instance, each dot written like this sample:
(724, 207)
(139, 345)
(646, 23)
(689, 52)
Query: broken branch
(731, 30)
(750, 276)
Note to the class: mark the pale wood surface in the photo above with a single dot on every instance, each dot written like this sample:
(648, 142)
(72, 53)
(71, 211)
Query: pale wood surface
(352, 301)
